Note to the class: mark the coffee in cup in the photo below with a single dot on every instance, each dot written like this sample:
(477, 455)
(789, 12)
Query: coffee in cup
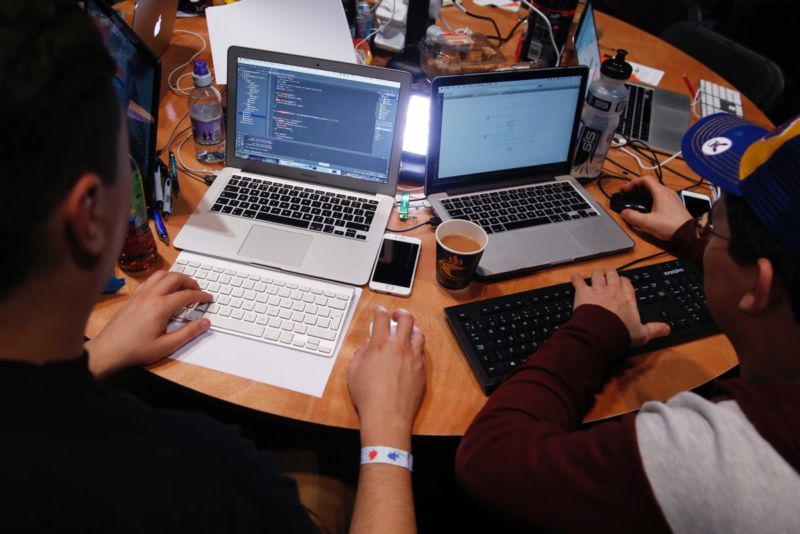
(459, 247)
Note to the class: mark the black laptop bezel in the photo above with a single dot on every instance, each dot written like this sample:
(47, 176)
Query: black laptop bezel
(305, 175)
(506, 177)
(154, 63)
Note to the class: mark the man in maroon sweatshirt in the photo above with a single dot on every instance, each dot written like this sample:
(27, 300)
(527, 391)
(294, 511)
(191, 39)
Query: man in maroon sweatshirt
(687, 464)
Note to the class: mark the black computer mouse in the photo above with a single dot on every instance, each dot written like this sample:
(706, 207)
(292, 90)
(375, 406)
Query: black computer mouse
(634, 201)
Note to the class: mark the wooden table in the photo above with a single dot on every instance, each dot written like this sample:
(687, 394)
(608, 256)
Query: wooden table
(453, 396)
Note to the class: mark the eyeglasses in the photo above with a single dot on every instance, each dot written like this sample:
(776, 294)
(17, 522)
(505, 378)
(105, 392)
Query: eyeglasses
(705, 226)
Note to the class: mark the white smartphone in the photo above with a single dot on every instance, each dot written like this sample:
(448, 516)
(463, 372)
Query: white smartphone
(396, 265)
(696, 203)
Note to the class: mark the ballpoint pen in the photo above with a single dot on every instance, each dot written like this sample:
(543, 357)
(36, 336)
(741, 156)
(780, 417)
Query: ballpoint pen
(688, 86)
(167, 197)
(161, 230)
(173, 168)
(157, 189)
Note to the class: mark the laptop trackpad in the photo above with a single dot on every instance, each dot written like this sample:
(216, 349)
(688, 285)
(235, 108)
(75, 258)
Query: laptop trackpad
(276, 246)
(548, 244)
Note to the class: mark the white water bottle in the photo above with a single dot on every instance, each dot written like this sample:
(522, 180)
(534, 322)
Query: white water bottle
(205, 110)
(602, 110)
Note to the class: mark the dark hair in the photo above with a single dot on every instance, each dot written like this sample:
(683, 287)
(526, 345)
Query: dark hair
(60, 120)
(750, 240)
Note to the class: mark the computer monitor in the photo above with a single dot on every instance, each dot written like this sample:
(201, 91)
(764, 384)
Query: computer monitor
(137, 82)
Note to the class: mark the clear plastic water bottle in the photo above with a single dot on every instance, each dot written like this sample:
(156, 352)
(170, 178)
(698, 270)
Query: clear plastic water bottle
(205, 109)
(602, 110)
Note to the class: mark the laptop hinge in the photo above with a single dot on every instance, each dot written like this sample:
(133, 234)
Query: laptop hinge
(483, 186)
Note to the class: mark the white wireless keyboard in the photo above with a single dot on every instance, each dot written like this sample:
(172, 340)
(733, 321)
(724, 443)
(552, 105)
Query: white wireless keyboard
(270, 306)
(715, 98)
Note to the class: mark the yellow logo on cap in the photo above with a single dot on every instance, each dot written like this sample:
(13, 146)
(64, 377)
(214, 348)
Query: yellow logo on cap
(760, 151)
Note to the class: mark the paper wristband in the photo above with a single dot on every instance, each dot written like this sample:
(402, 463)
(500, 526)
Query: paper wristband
(386, 455)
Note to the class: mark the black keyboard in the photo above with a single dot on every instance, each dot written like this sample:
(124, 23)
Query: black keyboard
(294, 205)
(498, 335)
(635, 120)
(510, 209)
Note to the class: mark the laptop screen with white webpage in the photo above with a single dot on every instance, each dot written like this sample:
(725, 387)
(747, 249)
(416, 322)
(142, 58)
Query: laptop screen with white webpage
(500, 152)
(313, 154)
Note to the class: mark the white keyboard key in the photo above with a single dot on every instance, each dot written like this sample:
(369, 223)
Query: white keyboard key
(273, 311)
(286, 337)
(286, 303)
(283, 292)
(262, 319)
(250, 317)
(214, 287)
(321, 333)
(237, 314)
(316, 291)
(250, 295)
(194, 264)
(298, 306)
(287, 325)
(327, 349)
(181, 261)
(296, 295)
(237, 326)
(312, 343)
(272, 334)
(329, 294)
(225, 311)
(272, 290)
(225, 290)
(236, 282)
(312, 308)
(262, 298)
(275, 322)
(274, 301)
(324, 312)
(298, 316)
(213, 308)
(261, 309)
(248, 284)
(212, 277)
(224, 299)
(236, 303)
(324, 322)
(248, 305)
(291, 285)
(202, 283)
(279, 283)
(225, 279)
(310, 319)
(176, 269)
(338, 304)
(298, 342)
(254, 277)
(189, 271)
(308, 298)
(238, 292)
(321, 301)
(261, 287)
(304, 288)
(285, 314)
(335, 322)
(218, 269)
(199, 275)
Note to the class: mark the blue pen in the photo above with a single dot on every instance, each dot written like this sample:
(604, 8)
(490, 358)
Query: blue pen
(161, 230)
(167, 198)
(173, 168)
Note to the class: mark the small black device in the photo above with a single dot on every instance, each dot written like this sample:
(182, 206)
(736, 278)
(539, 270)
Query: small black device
(624, 201)
(396, 265)
(498, 335)
(697, 203)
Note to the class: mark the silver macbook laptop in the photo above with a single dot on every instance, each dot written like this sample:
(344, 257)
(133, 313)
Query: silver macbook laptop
(153, 21)
(312, 161)
(656, 116)
(500, 152)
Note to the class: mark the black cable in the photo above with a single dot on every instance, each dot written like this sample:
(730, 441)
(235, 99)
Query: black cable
(694, 181)
(613, 177)
(433, 221)
(496, 27)
(623, 167)
(508, 37)
(653, 162)
(634, 262)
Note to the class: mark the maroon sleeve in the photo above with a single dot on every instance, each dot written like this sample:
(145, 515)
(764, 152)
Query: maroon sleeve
(525, 458)
(684, 242)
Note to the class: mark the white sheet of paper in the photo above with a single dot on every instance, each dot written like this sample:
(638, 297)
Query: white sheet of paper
(264, 362)
(315, 28)
(502, 4)
(645, 74)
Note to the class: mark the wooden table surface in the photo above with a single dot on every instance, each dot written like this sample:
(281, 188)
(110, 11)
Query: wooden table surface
(453, 395)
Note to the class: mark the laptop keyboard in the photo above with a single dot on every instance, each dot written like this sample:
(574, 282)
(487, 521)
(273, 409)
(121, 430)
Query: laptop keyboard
(294, 205)
(635, 120)
(511, 209)
(273, 307)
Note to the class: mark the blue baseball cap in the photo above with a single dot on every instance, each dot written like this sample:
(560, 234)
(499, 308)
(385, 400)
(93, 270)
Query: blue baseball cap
(751, 162)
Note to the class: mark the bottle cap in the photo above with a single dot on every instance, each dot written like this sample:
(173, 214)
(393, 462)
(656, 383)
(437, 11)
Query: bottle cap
(201, 75)
(617, 68)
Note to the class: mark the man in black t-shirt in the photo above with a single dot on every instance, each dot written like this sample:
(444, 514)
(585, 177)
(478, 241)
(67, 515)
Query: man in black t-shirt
(74, 456)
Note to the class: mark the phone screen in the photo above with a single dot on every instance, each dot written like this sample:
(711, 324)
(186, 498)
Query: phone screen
(396, 263)
(696, 206)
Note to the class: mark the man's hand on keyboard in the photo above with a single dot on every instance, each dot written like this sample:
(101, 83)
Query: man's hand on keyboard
(616, 294)
(387, 380)
(668, 212)
(136, 335)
